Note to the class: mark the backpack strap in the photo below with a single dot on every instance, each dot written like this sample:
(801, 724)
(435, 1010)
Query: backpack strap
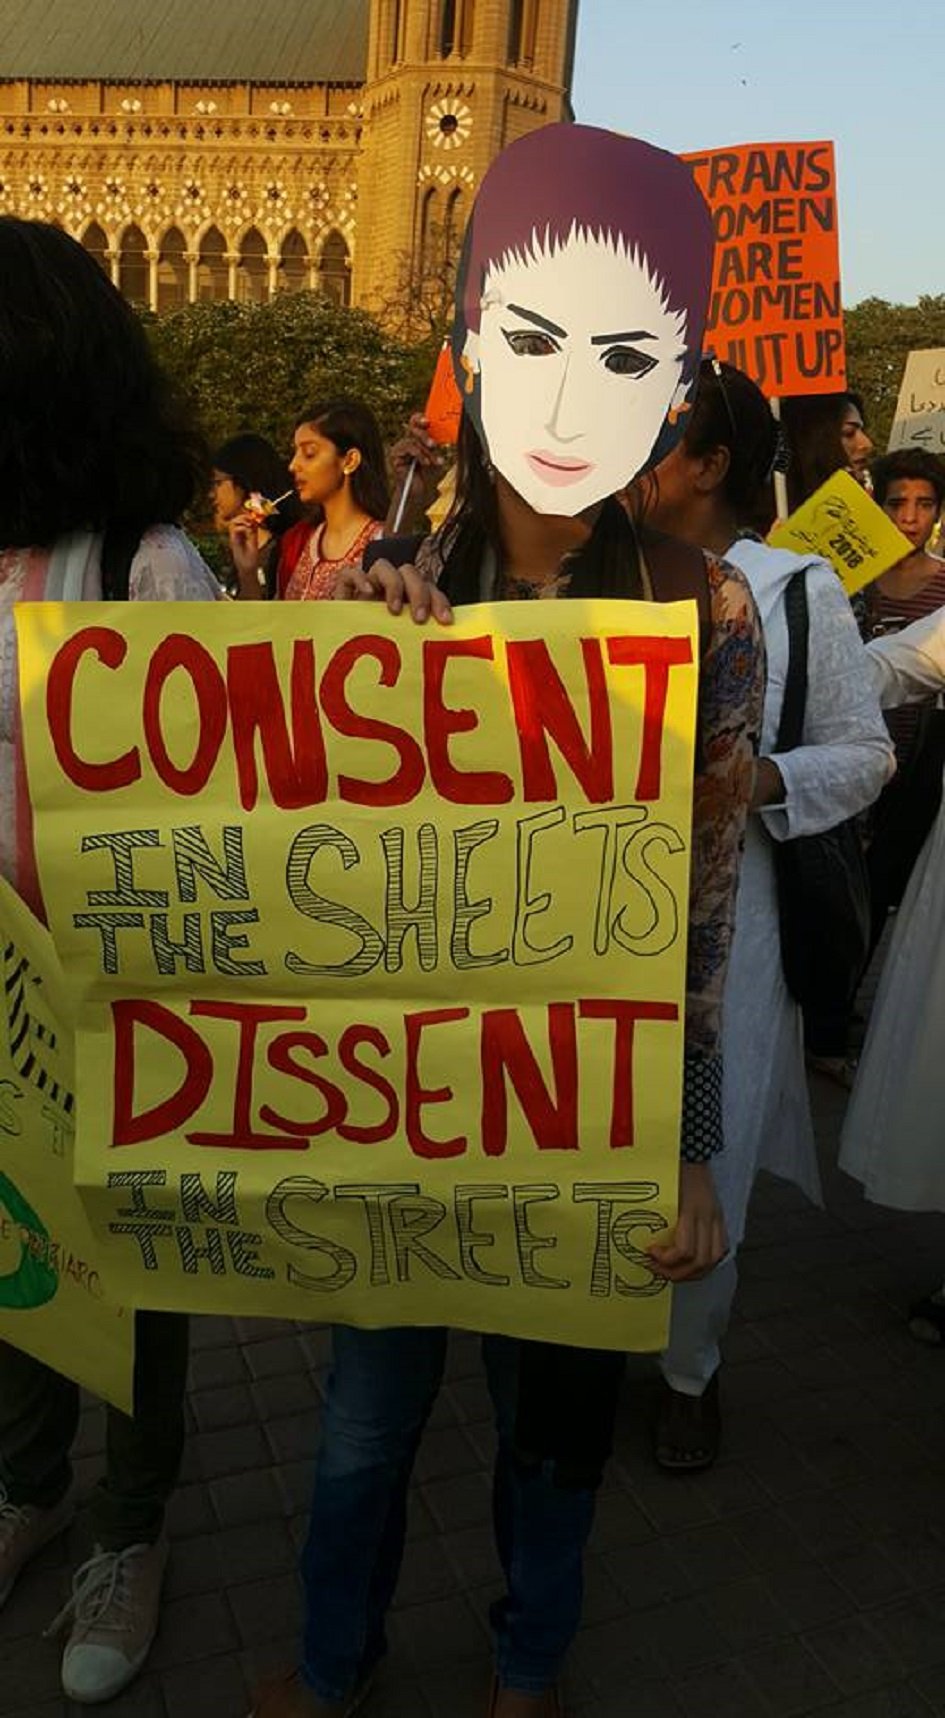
(678, 574)
(794, 702)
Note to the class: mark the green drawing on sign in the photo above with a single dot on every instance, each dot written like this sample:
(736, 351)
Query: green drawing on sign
(34, 1282)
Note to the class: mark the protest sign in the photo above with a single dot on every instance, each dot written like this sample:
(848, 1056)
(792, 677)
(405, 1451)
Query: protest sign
(444, 407)
(841, 522)
(51, 1295)
(377, 952)
(775, 309)
(920, 408)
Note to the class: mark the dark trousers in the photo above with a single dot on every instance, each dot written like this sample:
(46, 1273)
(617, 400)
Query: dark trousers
(39, 1413)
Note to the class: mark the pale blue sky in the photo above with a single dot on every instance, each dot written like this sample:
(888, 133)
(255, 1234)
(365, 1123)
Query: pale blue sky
(697, 74)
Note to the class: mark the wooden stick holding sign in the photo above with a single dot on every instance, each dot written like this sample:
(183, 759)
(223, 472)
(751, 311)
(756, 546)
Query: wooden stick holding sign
(442, 414)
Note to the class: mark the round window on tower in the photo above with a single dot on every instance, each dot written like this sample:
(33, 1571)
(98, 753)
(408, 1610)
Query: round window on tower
(448, 123)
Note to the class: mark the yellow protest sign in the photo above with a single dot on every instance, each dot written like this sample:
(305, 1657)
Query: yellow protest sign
(51, 1295)
(375, 937)
(844, 525)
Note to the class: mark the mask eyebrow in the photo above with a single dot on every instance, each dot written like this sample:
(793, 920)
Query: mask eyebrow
(539, 321)
(609, 339)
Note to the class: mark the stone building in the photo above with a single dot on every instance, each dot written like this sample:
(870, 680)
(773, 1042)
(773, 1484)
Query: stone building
(233, 151)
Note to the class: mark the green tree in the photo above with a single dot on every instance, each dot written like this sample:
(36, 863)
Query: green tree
(257, 366)
(879, 338)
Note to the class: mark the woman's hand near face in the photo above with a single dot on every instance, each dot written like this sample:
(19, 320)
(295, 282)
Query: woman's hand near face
(397, 587)
(243, 531)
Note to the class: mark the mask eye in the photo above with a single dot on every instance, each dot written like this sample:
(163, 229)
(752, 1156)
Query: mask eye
(627, 361)
(528, 343)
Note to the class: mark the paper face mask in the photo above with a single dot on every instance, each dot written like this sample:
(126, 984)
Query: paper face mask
(580, 305)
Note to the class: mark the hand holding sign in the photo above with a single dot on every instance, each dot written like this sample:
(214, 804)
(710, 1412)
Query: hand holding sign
(843, 524)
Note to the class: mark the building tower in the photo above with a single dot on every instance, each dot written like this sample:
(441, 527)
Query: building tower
(448, 84)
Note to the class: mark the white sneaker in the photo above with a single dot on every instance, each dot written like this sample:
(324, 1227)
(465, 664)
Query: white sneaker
(24, 1530)
(114, 1612)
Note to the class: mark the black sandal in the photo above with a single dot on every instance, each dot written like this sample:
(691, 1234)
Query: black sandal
(688, 1429)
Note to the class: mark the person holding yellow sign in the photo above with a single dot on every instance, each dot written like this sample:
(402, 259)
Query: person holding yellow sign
(708, 487)
(96, 469)
(580, 307)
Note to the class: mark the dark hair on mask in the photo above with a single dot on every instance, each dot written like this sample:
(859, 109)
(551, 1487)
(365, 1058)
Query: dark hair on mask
(91, 434)
(349, 424)
(255, 466)
(912, 462)
(812, 424)
(608, 564)
(730, 411)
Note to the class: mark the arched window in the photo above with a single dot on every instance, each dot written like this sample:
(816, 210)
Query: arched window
(523, 32)
(453, 227)
(133, 266)
(334, 269)
(253, 269)
(172, 271)
(293, 263)
(394, 32)
(95, 242)
(211, 266)
(448, 21)
(429, 232)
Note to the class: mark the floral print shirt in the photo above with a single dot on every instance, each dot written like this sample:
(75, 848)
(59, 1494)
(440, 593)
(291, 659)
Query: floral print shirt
(731, 702)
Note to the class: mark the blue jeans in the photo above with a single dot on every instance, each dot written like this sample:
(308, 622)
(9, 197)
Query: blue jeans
(382, 1388)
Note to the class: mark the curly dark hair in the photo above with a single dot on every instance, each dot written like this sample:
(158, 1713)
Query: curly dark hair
(91, 434)
(914, 462)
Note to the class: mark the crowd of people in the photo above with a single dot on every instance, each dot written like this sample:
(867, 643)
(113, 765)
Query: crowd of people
(99, 466)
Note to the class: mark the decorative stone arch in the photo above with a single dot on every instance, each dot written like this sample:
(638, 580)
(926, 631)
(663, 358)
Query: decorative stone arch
(95, 241)
(252, 269)
(428, 231)
(212, 274)
(454, 224)
(173, 279)
(133, 264)
(334, 267)
(295, 261)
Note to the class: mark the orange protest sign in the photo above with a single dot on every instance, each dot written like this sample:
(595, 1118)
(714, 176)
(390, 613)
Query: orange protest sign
(775, 306)
(444, 406)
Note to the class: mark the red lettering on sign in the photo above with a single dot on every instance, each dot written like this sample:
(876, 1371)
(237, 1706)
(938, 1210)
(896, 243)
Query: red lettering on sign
(295, 766)
(172, 1112)
(624, 1016)
(441, 721)
(656, 656)
(179, 651)
(505, 1050)
(281, 1056)
(416, 1096)
(111, 649)
(543, 708)
(348, 1044)
(407, 780)
(248, 1016)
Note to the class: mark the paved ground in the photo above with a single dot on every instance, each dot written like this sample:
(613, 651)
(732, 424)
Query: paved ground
(805, 1573)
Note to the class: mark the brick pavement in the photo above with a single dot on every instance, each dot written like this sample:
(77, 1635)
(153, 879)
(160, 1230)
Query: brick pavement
(805, 1573)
